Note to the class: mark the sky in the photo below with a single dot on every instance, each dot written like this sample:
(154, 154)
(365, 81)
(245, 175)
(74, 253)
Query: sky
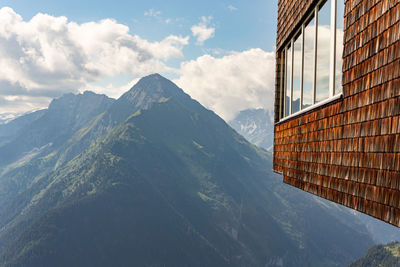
(220, 52)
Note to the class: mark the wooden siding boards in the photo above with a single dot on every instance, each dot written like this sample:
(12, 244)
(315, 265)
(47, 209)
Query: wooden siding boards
(348, 151)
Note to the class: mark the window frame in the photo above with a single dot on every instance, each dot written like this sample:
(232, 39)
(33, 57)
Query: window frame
(332, 64)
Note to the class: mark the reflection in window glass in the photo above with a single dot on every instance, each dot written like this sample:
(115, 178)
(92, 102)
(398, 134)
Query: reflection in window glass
(323, 51)
(288, 79)
(282, 88)
(308, 78)
(296, 74)
(339, 46)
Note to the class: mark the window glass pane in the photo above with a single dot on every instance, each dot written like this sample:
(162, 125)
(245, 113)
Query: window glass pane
(308, 78)
(288, 78)
(296, 74)
(282, 87)
(323, 51)
(339, 46)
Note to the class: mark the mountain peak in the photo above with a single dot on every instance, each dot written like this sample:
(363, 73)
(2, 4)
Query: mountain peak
(154, 76)
(70, 100)
(156, 85)
(145, 93)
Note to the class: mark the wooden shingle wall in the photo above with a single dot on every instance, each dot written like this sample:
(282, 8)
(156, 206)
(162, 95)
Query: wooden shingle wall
(349, 150)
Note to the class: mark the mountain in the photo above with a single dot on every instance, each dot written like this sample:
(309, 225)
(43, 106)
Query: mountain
(155, 179)
(54, 126)
(10, 128)
(381, 255)
(256, 125)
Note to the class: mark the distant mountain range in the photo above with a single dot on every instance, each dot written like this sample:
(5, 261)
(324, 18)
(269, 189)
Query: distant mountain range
(155, 179)
(257, 126)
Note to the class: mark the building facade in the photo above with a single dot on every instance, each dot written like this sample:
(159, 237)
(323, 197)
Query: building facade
(337, 102)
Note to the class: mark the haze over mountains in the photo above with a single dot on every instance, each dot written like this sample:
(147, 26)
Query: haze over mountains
(155, 179)
(256, 125)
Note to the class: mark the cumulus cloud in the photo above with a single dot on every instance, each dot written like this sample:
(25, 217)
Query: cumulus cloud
(112, 90)
(12, 106)
(48, 56)
(202, 31)
(232, 83)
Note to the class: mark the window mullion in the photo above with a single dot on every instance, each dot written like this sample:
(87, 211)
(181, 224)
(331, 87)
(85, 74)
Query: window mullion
(282, 87)
(285, 83)
(315, 54)
(302, 66)
(291, 77)
(333, 50)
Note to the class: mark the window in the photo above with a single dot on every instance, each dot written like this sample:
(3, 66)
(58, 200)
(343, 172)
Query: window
(313, 59)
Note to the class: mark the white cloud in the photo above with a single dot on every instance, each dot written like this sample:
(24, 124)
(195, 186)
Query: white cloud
(232, 8)
(152, 13)
(6, 117)
(112, 90)
(47, 56)
(232, 83)
(202, 31)
(13, 106)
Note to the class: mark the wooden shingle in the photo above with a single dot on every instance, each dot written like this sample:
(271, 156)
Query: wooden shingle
(348, 151)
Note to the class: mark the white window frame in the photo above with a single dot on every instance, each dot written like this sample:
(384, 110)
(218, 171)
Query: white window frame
(332, 67)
